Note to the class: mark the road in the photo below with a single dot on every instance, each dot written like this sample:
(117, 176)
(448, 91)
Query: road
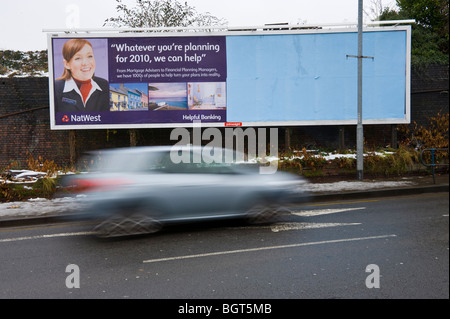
(394, 247)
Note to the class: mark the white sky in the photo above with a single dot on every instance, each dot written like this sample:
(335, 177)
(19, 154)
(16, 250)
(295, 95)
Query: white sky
(22, 21)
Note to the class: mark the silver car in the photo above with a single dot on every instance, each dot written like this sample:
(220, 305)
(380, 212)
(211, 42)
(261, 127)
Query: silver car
(139, 190)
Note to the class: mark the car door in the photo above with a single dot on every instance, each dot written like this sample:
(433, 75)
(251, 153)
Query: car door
(201, 188)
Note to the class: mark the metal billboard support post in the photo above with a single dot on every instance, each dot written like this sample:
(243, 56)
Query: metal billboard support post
(359, 127)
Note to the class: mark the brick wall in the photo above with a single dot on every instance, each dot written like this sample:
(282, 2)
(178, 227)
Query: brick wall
(24, 121)
(429, 93)
(25, 124)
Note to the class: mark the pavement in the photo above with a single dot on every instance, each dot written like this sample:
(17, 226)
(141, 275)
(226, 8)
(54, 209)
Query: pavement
(44, 211)
(336, 187)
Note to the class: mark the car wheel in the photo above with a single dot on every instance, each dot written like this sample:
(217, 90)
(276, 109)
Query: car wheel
(120, 225)
(260, 213)
(263, 213)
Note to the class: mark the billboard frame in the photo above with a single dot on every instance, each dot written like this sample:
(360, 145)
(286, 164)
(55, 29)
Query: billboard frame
(231, 31)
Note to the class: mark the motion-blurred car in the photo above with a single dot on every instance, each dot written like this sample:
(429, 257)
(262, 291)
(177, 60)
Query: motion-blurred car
(139, 190)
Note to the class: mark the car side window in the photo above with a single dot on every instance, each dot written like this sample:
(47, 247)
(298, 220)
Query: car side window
(193, 163)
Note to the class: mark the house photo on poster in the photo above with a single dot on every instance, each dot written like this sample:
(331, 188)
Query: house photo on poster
(206, 95)
(167, 96)
(128, 97)
(187, 96)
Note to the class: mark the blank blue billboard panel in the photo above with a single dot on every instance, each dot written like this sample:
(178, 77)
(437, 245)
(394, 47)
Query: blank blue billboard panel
(310, 77)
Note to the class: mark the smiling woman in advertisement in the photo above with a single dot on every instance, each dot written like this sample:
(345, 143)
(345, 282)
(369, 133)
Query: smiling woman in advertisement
(78, 89)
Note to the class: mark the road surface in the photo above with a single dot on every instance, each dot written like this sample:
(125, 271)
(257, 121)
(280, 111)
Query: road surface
(395, 247)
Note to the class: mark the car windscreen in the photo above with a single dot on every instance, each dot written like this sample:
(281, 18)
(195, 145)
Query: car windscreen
(172, 162)
(120, 161)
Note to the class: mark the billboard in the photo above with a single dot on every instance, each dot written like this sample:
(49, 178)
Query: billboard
(243, 78)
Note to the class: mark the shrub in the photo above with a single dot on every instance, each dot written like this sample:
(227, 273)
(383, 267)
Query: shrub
(46, 185)
(394, 164)
(8, 193)
(291, 165)
(345, 162)
(312, 161)
(433, 135)
(39, 165)
(306, 161)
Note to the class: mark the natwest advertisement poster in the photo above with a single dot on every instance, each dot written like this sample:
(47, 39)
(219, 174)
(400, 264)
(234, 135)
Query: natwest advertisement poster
(132, 81)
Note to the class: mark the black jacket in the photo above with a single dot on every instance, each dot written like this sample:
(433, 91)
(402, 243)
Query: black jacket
(71, 101)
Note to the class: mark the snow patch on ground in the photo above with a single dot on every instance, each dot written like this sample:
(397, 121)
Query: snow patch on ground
(354, 186)
(39, 207)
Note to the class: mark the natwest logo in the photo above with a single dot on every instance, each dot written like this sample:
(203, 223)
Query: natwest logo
(85, 118)
(82, 118)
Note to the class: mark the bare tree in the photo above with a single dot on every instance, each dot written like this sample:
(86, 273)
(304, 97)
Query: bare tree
(377, 8)
(159, 13)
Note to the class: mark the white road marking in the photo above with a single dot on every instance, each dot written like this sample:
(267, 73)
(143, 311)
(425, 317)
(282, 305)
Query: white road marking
(274, 228)
(267, 248)
(318, 212)
(298, 226)
(310, 213)
(45, 236)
